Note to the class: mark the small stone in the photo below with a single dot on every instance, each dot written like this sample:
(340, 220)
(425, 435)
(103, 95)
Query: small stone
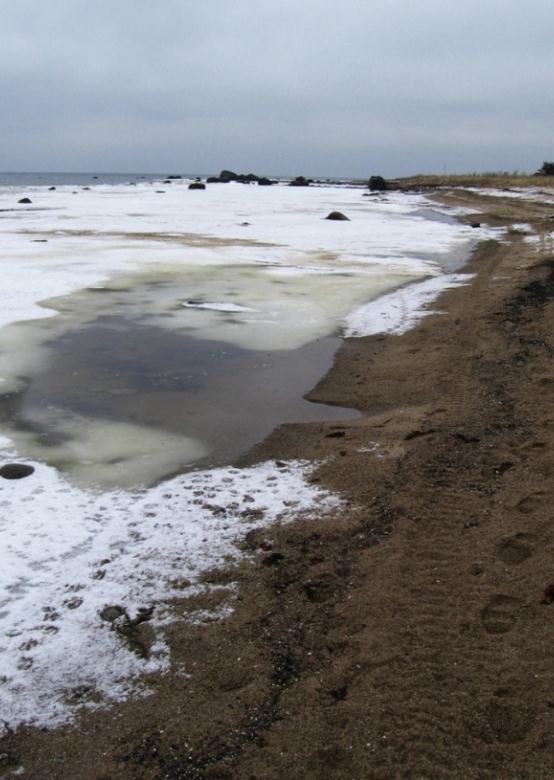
(25, 200)
(197, 185)
(475, 224)
(16, 470)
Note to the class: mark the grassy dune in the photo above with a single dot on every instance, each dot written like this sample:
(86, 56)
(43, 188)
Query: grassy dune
(496, 180)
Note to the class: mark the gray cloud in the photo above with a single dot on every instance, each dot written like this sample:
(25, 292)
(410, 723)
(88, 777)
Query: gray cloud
(397, 86)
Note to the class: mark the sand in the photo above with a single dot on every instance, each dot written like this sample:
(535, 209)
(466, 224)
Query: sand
(410, 635)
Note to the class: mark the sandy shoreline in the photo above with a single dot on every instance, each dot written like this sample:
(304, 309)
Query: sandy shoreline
(405, 637)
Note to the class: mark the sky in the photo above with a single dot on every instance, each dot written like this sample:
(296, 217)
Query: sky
(277, 87)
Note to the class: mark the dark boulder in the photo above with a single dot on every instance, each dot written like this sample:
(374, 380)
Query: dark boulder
(263, 181)
(226, 176)
(213, 180)
(25, 200)
(50, 189)
(174, 176)
(377, 183)
(300, 181)
(338, 216)
(16, 470)
(197, 185)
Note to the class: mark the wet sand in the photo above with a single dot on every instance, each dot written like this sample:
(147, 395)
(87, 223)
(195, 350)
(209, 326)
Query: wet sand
(410, 635)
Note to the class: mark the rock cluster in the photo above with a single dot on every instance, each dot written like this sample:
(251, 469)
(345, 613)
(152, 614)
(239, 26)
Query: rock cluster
(244, 178)
(300, 181)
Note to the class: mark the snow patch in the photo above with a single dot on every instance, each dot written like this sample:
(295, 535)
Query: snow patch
(399, 311)
(68, 554)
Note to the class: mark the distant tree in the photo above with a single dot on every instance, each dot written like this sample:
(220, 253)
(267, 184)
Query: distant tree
(547, 169)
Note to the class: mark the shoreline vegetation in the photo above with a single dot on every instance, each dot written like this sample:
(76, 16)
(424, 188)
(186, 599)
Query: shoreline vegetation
(410, 634)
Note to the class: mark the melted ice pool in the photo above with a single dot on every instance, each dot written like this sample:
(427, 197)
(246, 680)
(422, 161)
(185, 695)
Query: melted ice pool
(188, 327)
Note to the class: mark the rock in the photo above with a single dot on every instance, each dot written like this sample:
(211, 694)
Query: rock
(244, 178)
(16, 470)
(50, 189)
(174, 176)
(475, 224)
(300, 181)
(25, 200)
(226, 176)
(377, 183)
(338, 216)
(197, 185)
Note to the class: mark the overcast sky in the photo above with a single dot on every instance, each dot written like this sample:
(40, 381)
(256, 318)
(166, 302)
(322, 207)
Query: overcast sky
(314, 87)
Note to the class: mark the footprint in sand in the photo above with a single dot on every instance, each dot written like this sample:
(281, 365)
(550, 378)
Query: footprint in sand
(515, 549)
(530, 504)
(499, 615)
(510, 718)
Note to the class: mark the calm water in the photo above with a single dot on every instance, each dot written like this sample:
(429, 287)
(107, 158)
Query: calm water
(78, 179)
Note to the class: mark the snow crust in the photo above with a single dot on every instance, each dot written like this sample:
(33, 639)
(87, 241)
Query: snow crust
(397, 312)
(69, 553)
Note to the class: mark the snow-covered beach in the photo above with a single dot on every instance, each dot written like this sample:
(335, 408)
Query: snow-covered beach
(257, 268)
